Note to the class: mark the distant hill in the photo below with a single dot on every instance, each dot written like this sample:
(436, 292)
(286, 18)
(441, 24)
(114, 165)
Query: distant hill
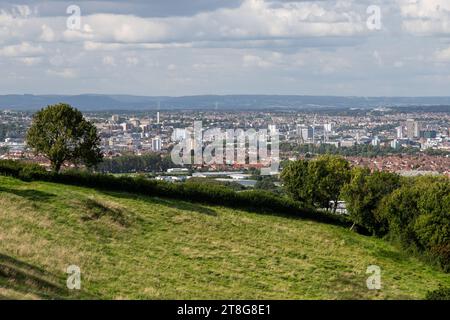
(95, 102)
(137, 247)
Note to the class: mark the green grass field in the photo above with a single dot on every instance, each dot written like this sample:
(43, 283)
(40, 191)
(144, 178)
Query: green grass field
(134, 247)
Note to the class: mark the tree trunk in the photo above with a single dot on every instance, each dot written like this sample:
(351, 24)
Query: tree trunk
(57, 167)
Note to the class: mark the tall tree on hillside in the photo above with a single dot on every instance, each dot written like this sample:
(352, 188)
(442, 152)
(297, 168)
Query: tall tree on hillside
(317, 182)
(60, 133)
(363, 195)
(329, 175)
(296, 181)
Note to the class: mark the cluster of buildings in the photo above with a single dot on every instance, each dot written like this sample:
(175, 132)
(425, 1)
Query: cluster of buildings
(13, 128)
(343, 133)
(121, 134)
(143, 132)
(408, 165)
(415, 130)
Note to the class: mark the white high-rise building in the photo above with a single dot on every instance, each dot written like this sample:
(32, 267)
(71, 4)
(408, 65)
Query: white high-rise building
(115, 118)
(376, 141)
(156, 144)
(328, 127)
(395, 144)
(157, 117)
(272, 128)
(399, 132)
(412, 128)
(417, 128)
(305, 132)
(179, 134)
(126, 126)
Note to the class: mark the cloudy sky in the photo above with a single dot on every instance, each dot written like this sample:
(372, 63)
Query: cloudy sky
(180, 47)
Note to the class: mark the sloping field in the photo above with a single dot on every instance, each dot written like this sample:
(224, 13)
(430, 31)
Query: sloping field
(134, 247)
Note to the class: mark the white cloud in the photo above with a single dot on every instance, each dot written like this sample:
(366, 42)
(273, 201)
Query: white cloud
(21, 11)
(23, 49)
(255, 61)
(316, 46)
(376, 55)
(103, 46)
(425, 17)
(109, 61)
(426, 9)
(132, 61)
(66, 73)
(30, 61)
(254, 19)
(443, 55)
(47, 35)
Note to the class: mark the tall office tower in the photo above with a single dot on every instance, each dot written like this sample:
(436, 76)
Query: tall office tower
(395, 144)
(145, 128)
(179, 134)
(298, 130)
(126, 126)
(327, 130)
(376, 141)
(156, 144)
(157, 117)
(272, 128)
(417, 129)
(399, 132)
(304, 132)
(135, 122)
(412, 129)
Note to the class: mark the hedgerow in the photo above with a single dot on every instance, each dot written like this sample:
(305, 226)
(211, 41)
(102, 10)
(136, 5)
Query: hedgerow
(258, 200)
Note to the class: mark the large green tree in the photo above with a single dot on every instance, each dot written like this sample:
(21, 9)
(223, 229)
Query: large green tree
(296, 182)
(418, 214)
(363, 195)
(60, 133)
(316, 182)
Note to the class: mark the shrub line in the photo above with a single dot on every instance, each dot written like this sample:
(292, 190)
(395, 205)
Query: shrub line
(256, 200)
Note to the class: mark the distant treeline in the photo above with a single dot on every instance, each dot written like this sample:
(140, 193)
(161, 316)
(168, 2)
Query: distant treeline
(437, 108)
(359, 150)
(152, 162)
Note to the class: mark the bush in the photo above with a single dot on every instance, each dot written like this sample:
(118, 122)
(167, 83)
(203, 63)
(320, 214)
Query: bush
(418, 215)
(316, 182)
(209, 181)
(200, 192)
(440, 294)
(363, 195)
(415, 211)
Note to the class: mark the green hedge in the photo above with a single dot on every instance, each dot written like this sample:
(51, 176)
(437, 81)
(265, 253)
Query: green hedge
(257, 200)
(418, 215)
(440, 294)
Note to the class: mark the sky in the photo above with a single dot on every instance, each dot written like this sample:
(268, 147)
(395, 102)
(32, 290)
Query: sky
(179, 47)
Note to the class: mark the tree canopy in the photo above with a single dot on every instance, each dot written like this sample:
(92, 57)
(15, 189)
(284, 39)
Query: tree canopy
(316, 182)
(418, 214)
(60, 133)
(363, 194)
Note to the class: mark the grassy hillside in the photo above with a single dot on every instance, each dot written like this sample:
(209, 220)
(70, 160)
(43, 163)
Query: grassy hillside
(151, 248)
